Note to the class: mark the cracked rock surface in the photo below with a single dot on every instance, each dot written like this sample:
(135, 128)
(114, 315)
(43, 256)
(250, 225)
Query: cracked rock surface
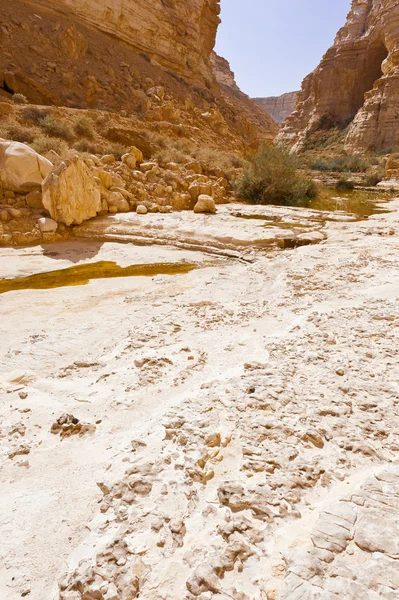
(246, 425)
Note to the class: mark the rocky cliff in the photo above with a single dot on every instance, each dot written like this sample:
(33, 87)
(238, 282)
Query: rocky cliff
(278, 107)
(249, 111)
(356, 83)
(115, 54)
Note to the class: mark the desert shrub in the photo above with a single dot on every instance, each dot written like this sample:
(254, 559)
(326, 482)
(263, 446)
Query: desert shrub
(19, 133)
(344, 184)
(19, 99)
(34, 114)
(3, 132)
(271, 176)
(83, 128)
(171, 154)
(43, 144)
(85, 145)
(341, 164)
(57, 128)
(221, 159)
(375, 176)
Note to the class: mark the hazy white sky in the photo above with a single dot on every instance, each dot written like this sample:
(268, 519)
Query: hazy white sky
(273, 44)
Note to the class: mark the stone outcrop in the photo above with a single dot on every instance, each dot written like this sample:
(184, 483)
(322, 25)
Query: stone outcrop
(179, 36)
(21, 168)
(222, 71)
(248, 109)
(70, 193)
(355, 84)
(278, 107)
(147, 57)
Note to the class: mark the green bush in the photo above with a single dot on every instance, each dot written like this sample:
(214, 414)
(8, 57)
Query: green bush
(84, 128)
(58, 128)
(19, 99)
(271, 176)
(344, 184)
(341, 164)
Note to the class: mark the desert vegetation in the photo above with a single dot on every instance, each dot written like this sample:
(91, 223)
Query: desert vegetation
(272, 176)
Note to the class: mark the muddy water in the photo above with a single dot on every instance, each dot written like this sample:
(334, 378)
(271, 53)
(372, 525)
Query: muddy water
(362, 203)
(82, 274)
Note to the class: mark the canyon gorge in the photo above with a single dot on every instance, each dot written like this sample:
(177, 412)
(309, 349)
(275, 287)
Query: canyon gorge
(355, 85)
(199, 375)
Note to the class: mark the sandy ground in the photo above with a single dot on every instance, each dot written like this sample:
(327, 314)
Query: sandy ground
(246, 424)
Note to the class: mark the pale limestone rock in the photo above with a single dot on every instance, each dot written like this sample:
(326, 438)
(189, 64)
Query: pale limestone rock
(47, 225)
(116, 199)
(205, 204)
(21, 168)
(141, 209)
(70, 193)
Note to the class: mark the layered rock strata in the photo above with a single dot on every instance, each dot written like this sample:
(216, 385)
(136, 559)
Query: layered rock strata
(355, 84)
(118, 56)
(278, 107)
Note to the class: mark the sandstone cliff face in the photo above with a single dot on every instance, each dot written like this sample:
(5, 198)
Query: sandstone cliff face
(247, 109)
(117, 55)
(177, 34)
(278, 107)
(356, 82)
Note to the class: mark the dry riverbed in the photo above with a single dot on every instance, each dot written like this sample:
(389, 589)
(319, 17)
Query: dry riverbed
(227, 430)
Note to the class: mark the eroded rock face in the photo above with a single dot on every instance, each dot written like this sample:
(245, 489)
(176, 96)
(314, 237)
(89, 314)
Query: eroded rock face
(356, 82)
(278, 107)
(177, 35)
(70, 193)
(151, 58)
(21, 168)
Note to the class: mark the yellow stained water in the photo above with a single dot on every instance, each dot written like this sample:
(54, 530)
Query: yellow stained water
(82, 274)
(362, 203)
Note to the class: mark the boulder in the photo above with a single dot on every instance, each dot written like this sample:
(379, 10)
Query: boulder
(34, 199)
(205, 204)
(47, 225)
(129, 160)
(21, 168)
(70, 193)
(141, 209)
(116, 199)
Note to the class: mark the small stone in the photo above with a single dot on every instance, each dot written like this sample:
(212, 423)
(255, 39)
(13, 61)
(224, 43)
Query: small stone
(205, 204)
(340, 372)
(141, 209)
(47, 225)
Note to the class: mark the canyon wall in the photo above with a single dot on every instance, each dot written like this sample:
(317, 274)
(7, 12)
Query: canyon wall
(278, 107)
(249, 111)
(356, 83)
(117, 54)
(177, 34)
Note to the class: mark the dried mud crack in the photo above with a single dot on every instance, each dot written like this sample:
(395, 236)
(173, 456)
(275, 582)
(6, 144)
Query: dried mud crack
(246, 427)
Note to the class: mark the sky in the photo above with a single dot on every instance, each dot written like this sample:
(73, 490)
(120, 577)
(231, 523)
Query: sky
(273, 44)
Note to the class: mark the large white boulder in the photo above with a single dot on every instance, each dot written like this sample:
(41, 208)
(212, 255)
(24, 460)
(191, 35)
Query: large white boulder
(21, 168)
(70, 193)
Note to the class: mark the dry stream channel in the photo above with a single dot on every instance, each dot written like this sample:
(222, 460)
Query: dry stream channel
(209, 412)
